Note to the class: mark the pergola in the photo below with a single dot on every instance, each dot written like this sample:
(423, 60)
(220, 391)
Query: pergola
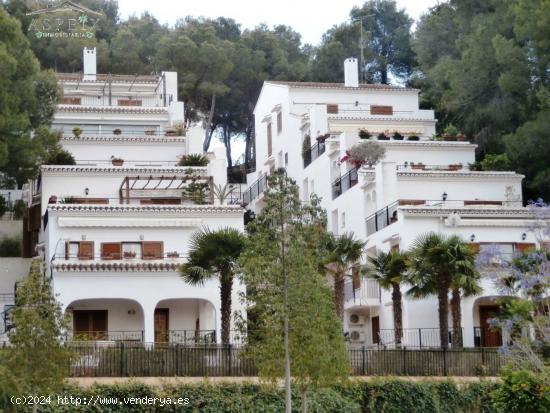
(160, 187)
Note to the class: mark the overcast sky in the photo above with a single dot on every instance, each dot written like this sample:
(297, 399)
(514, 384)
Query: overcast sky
(311, 18)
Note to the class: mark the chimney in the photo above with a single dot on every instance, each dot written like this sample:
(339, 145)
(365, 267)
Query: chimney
(90, 64)
(351, 72)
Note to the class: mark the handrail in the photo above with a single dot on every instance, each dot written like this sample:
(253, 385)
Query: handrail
(344, 182)
(382, 218)
(313, 153)
(255, 190)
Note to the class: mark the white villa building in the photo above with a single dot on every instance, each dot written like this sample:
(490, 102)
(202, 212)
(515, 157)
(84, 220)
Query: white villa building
(421, 185)
(115, 227)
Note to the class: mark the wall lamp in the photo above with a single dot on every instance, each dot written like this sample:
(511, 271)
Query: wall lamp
(86, 191)
(444, 196)
(523, 236)
(472, 237)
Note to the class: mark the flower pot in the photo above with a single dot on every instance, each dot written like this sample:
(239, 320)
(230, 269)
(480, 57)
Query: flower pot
(398, 138)
(413, 138)
(170, 133)
(383, 138)
(149, 132)
(117, 131)
(117, 162)
(449, 138)
(461, 138)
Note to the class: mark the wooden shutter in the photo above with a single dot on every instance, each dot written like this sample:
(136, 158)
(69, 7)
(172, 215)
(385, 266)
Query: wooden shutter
(356, 277)
(381, 110)
(279, 122)
(269, 140)
(86, 250)
(81, 322)
(524, 246)
(111, 250)
(152, 250)
(71, 101)
(129, 102)
(332, 109)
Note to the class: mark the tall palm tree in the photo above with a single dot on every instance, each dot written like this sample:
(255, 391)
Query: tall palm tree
(390, 269)
(465, 282)
(430, 274)
(213, 254)
(344, 253)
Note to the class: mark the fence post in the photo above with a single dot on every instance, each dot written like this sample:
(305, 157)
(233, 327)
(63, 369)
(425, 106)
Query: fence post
(483, 355)
(420, 337)
(177, 348)
(445, 361)
(364, 352)
(405, 361)
(229, 360)
(121, 359)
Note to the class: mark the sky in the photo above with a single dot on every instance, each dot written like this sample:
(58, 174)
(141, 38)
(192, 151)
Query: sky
(311, 18)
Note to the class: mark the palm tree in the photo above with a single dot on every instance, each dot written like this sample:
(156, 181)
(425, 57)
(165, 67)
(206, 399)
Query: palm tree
(465, 281)
(430, 274)
(441, 264)
(389, 270)
(344, 253)
(213, 254)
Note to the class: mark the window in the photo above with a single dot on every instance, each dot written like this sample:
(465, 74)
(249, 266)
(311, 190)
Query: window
(152, 250)
(71, 101)
(332, 108)
(279, 123)
(131, 250)
(129, 102)
(111, 250)
(82, 250)
(269, 142)
(90, 324)
(381, 110)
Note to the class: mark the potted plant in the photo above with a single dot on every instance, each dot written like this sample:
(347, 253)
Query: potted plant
(455, 167)
(179, 128)
(77, 132)
(117, 161)
(129, 254)
(413, 138)
(52, 199)
(117, 131)
(70, 200)
(170, 132)
(452, 134)
(419, 165)
(173, 254)
(397, 136)
(382, 137)
(364, 134)
(150, 132)
(193, 159)
(366, 153)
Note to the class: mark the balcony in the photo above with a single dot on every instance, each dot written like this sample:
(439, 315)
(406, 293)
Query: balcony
(365, 291)
(413, 338)
(255, 190)
(382, 218)
(345, 182)
(313, 153)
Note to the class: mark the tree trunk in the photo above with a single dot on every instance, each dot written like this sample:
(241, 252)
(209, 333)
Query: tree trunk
(304, 401)
(397, 314)
(456, 314)
(207, 132)
(443, 312)
(339, 294)
(227, 143)
(226, 287)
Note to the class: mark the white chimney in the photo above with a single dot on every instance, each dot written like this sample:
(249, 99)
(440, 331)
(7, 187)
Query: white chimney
(90, 64)
(351, 72)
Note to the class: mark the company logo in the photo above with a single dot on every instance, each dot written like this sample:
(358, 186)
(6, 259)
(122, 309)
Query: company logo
(64, 20)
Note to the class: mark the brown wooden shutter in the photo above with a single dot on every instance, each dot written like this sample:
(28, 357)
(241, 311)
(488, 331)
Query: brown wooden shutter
(475, 246)
(279, 122)
(86, 250)
(81, 321)
(356, 277)
(67, 250)
(269, 140)
(111, 250)
(381, 110)
(524, 246)
(152, 250)
(129, 102)
(332, 109)
(71, 101)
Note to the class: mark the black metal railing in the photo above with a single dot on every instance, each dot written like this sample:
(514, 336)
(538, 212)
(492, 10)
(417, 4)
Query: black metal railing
(150, 360)
(382, 218)
(255, 190)
(313, 153)
(415, 338)
(345, 182)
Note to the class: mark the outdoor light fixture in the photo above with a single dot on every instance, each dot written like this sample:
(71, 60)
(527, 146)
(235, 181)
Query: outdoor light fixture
(472, 237)
(444, 196)
(523, 236)
(86, 191)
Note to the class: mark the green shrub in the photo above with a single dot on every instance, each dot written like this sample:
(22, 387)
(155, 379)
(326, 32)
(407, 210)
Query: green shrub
(61, 157)
(193, 159)
(521, 392)
(10, 247)
(19, 209)
(493, 162)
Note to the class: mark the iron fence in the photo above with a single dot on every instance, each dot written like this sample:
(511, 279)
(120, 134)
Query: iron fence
(345, 182)
(148, 360)
(415, 337)
(313, 153)
(255, 190)
(382, 218)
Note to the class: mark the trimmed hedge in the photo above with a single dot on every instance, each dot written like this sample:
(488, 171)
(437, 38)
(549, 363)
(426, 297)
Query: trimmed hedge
(378, 396)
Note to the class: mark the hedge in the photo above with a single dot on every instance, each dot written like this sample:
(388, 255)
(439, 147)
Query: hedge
(377, 396)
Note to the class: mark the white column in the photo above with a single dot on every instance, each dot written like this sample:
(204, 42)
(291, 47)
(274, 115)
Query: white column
(468, 322)
(148, 323)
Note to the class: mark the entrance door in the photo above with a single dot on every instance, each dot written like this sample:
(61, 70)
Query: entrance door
(161, 325)
(490, 336)
(90, 324)
(375, 330)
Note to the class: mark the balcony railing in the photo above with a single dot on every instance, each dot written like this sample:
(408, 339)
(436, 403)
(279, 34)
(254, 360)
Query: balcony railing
(413, 338)
(313, 153)
(412, 167)
(382, 218)
(368, 290)
(255, 190)
(345, 182)
(119, 336)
